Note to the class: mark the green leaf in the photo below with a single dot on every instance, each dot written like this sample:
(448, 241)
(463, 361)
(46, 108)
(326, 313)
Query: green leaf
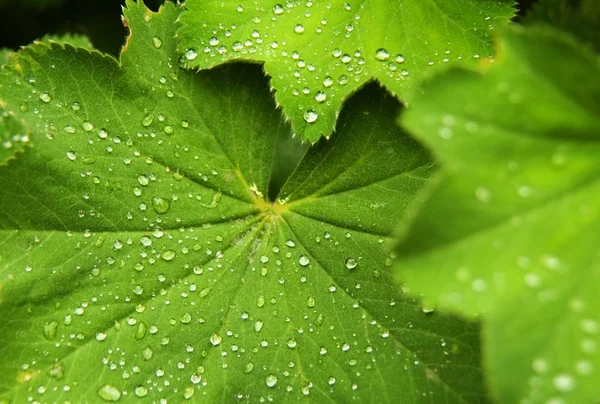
(4, 56)
(510, 230)
(139, 258)
(580, 18)
(75, 40)
(318, 53)
(13, 136)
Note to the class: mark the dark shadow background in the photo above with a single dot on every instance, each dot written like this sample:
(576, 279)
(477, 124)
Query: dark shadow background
(22, 21)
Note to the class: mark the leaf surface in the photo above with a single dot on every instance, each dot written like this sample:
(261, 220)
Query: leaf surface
(514, 239)
(140, 259)
(318, 53)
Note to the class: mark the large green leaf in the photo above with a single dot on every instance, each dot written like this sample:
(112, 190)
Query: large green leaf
(139, 258)
(13, 136)
(4, 56)
(511, 229)
(318, 53)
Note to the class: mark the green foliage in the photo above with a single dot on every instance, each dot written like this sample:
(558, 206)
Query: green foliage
(168, 234)
(13, 136)
(142, 248)
(514, 238)
(318, 53)
(77, 41)
(4, 56)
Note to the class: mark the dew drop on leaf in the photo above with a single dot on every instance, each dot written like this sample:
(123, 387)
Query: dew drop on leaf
(191, 54)
(382, 54)
(351, 263)
(147, 353)
(215, 339)
(45, 97)
(271, 380)
(140, 391)
(563, 382)
(57, 371)
(303, 260)
(160, 205)
(157, 42)
(311, 116)
(168, 255)
(147, 120)
(109, 393)
(50, 329)
(320, 96)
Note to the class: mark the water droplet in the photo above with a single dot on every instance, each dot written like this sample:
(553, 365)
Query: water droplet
(320, 96)
(147, 120)
(71, 155)
(157, 42)
(191, 54)
(87, 126)
(140, 391)
(564, 382)
(303, 260)
(109, 393)
(271, 380)
(382, 54)
(50, 329)
(57, 371)
(299, 28)
(141, 330)
(311, 116)
(143, 180)
(399, 59)
(147, 353)
(310, 302)
(45, 97)
(328, 81)
(215, 339)
(351, 263)
(160, 205)
(278, 9)
(168, 255)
